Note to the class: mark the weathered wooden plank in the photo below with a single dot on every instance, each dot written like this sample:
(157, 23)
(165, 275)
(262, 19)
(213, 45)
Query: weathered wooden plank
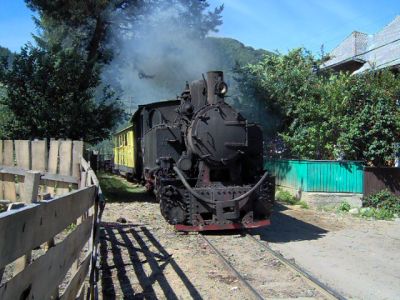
(52, 164)
(60, 178)
(42, 277)
(65, 165)
(39, 159)
(82, 293)
(23, 158)
(22, 153)
(77, 152)
(83, 179)
(29, 195)
(39, 155)
(85, 165)
(31, 187)
(44, 176)
(77, 279)
(1, 176)
(30, 226)
(9, 180)
(93, 177)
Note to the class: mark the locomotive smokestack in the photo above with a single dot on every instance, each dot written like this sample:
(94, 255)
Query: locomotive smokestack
(216, 87)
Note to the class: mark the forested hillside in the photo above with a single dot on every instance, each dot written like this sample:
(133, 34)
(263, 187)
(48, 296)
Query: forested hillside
(6, 55)
(228, 52)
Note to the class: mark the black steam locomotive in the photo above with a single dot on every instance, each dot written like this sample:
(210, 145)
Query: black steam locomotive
(203, 160)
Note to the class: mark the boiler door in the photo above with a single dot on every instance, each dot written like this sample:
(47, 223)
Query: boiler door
(218, 134)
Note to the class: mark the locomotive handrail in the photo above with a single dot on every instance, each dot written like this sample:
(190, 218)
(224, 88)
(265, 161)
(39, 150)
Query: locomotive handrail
(201, 197)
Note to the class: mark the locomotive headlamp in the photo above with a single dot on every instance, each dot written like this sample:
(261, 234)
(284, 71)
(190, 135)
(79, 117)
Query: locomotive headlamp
(221, 88)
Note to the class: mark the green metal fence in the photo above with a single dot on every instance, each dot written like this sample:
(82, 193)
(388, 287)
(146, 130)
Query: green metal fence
(318, 176)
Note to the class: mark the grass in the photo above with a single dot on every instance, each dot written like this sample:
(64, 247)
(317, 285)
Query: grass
(303, 204)
(71, 227)
(367, 212)
(344, 207)
(376, 213)
(118, 189)
(287, 198)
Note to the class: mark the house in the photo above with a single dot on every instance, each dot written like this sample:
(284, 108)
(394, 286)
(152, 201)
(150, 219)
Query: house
(360, 52)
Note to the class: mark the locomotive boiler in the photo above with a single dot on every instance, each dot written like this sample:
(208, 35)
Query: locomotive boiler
(203, 160)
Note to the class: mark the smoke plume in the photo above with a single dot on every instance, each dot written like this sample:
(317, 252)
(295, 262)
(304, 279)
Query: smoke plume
(154, 56)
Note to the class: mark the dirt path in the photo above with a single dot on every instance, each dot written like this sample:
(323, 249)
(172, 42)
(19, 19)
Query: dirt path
(264, 272)
(146, 258)
(357, 257)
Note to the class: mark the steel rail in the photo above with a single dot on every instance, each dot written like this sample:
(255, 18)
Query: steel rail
(321, 287)
(233, 270)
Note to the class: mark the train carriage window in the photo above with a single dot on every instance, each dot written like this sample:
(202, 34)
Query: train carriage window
(155, 118)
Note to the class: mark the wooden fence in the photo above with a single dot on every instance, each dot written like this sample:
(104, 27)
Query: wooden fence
(377, 179)
(49, 233)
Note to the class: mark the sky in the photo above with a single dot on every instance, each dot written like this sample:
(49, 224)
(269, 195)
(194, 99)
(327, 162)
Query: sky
(268, 24)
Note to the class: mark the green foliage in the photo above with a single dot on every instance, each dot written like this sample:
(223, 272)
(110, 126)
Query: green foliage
(54, 89)
(381, 206)
(71, 227)
(303, 204)
(117, 189)
(6, 56)
(285, 197)
(325, 115)
(344, 206)
(383, 199)
(376, 213)
(230, 52)
(46, 99)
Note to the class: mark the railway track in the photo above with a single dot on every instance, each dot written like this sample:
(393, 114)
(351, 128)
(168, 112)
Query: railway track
(323, 289)
(231, 268)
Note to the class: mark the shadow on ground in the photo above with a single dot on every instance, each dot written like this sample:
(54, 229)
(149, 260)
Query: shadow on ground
(118, 189)
(125, 249)
(284, 229)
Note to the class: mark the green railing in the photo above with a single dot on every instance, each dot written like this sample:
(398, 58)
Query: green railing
(317, 175)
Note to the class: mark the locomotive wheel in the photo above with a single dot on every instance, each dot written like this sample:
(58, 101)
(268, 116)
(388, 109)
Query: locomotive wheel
(172, 206)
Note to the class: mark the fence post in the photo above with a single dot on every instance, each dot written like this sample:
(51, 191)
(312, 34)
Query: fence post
(28, 195)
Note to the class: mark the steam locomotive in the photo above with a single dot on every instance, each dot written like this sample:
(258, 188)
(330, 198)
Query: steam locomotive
(201, 157)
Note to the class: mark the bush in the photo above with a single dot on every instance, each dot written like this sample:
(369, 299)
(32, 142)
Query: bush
(376, 213)
(344, 206)
(383, 200)
(303, 204)
(286, 197)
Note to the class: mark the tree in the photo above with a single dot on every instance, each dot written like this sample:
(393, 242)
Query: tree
(327, 115)
(370, 127)
(6, 56)
(46, 102)
(54, 89)
(90, 26)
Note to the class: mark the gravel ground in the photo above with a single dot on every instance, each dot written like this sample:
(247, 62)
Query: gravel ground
(146, 258)
(266, 274)
(358, 258)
